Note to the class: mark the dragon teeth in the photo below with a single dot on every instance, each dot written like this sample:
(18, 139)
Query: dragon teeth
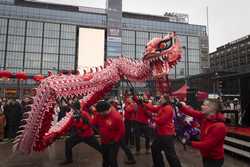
(161, 58)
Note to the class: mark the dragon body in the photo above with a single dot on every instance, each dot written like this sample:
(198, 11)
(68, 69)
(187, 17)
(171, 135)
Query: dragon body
(37, 133)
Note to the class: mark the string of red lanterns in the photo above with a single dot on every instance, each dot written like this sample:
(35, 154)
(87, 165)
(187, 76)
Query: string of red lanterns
(21, 75)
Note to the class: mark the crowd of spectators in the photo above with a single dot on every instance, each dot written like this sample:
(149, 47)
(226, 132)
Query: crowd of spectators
(11, 112)
(11, 116)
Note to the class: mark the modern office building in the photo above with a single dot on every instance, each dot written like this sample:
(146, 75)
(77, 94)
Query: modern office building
(233, 56)
(36, 37)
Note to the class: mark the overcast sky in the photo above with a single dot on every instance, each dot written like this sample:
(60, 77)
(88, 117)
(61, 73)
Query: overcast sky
(228, 19)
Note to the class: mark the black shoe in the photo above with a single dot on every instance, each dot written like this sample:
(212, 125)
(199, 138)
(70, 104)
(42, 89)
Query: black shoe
(66, 162)
(130, 162)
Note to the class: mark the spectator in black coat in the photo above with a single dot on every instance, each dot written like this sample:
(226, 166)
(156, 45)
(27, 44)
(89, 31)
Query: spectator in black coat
(13, 114)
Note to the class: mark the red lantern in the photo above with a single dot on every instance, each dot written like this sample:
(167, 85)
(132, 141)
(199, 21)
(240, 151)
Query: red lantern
(21, 75)
(38, 77)
(5, 74)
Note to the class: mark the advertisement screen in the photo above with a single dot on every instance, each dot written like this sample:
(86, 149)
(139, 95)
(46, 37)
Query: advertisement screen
(90, 48)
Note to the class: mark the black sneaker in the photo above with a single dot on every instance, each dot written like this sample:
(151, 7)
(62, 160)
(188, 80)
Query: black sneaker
(66, 162)
(130, 162)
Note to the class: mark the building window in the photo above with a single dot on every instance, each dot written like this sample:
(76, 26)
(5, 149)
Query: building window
(183, 41)
(50, 61)
(33, 44)
(34, 29)
(67, 62)
(113, 49)
(7, 1)
(194, 68)
(154, 35)
(32, 60)
(32, 71)
(16, 27)
(180, 70)
(15, 43)
(193, 42)
(139, 52)
(128, 51)
(193, 55)
(128, 37)
(2, 42)
(68, 32)
(67, 47)
(1, 59)
(50, 45)
(141, 38)
(3, 26)
(14, 60)
(51, 30)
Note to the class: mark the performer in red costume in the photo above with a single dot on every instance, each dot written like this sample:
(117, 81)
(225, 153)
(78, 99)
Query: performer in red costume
(81, 131)
(213, 131)
(130, 157)
(129, 118)
(165, 134)
(111, 129)
(141, 124)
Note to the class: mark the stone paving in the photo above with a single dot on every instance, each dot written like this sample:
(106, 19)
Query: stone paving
(86, 156)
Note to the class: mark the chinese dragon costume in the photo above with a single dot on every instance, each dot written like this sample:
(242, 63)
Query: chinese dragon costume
(37, 133)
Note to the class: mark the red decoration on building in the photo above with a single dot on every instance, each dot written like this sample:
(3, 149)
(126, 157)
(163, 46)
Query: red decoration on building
(5, 74)
(38, 77)
(21, 75)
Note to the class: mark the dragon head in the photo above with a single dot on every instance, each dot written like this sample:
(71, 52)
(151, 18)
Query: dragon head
(162, 54)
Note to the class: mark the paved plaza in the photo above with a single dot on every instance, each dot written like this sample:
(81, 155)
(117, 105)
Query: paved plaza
(86, 156)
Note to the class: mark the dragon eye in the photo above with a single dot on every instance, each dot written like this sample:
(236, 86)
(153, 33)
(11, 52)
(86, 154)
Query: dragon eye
(164, 45)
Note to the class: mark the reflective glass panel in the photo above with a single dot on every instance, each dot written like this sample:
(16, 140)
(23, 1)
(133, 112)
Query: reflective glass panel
(16, 27)
(51, 30)
(32, 60)
(14, 59)
(3, 26)
(2, 42)
(15, 43)
(33, 44)
(34, 29)
(1, 59)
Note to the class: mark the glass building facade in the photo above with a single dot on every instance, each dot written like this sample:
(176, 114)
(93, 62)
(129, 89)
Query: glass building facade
(37, 37)
(36, 47)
